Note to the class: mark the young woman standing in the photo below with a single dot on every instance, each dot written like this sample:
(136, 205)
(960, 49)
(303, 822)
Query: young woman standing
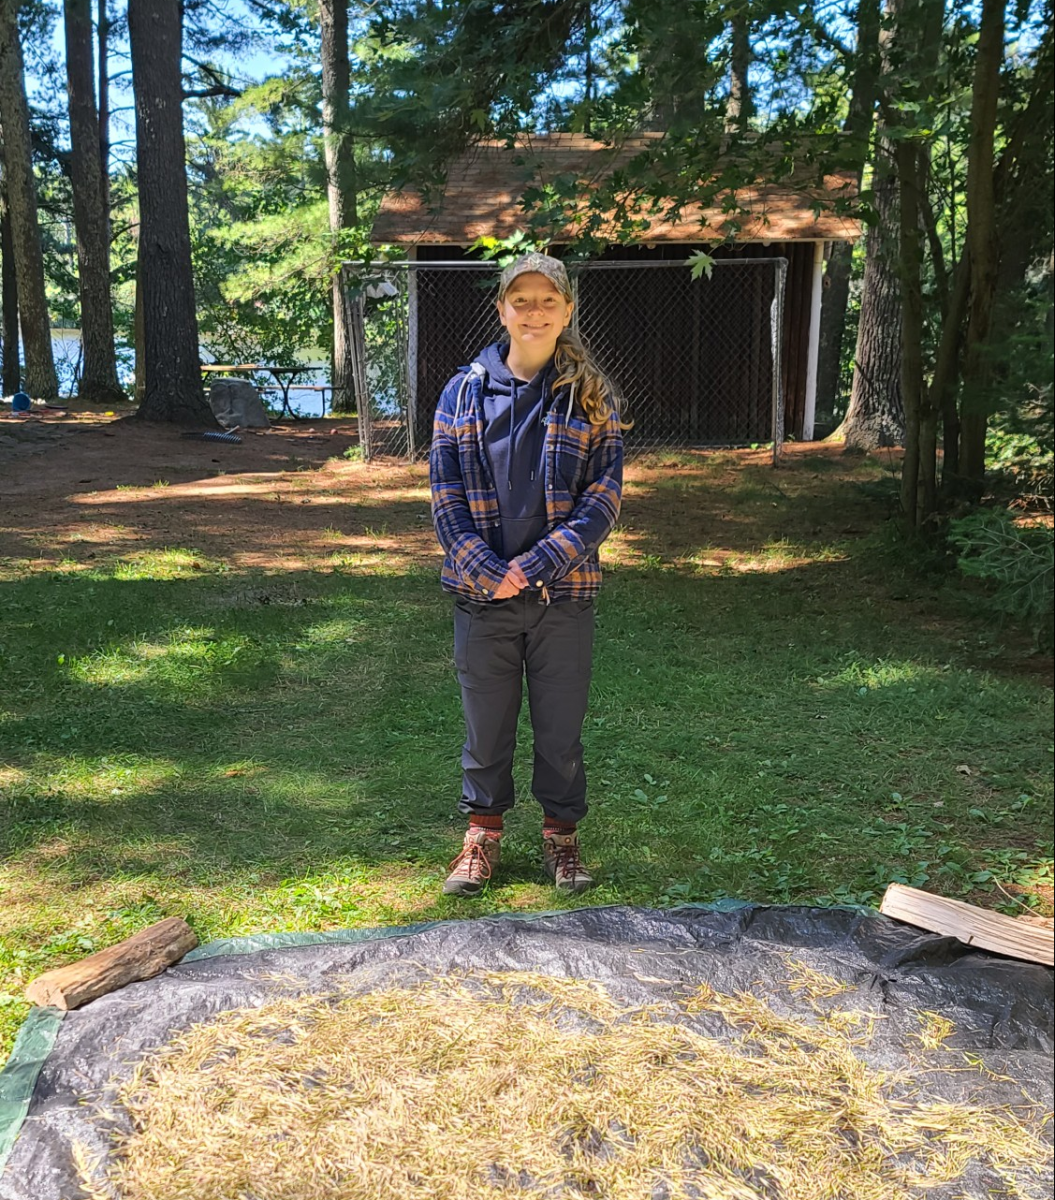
(526, 473)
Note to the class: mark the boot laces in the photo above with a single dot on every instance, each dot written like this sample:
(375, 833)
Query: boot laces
(472, 860)
(567, 857)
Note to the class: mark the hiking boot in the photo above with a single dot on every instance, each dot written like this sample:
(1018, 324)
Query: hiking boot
(560, 856)
(472, 868)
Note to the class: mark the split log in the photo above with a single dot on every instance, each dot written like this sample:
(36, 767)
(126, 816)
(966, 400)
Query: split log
(141, 956)
(973, 925)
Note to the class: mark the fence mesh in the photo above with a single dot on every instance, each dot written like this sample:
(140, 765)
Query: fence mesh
(697, 362)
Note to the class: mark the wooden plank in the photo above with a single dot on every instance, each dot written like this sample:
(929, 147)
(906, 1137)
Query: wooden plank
(972, 925)
(141, 956)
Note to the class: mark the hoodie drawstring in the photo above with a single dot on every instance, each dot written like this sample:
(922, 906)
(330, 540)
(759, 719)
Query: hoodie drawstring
(512, 431)
(475, 370)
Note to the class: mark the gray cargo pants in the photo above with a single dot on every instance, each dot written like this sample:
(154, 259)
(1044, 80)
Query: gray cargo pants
(495, 645)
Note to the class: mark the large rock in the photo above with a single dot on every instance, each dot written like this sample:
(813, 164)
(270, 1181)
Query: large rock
(237, 404)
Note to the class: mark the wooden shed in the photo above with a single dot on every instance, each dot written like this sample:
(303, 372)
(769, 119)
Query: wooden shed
(702, 362)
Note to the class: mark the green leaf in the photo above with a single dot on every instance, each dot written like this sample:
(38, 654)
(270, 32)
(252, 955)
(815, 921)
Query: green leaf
(701, 264)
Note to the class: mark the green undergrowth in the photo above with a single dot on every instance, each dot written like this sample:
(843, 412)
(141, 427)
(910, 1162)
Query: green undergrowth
(280, 751)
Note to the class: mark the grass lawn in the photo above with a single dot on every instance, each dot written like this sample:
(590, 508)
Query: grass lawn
(782, 712)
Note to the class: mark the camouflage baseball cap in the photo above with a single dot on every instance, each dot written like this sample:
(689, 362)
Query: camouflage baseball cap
(542, 264)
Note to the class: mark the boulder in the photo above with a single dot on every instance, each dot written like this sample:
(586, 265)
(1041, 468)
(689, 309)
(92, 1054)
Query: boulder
(237, 404)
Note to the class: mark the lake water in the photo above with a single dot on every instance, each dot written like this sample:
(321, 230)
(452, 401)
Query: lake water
(66, 348)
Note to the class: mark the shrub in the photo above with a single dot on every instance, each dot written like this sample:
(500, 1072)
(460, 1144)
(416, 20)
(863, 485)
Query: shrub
(1016, 561)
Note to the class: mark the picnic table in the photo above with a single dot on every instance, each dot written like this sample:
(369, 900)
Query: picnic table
(283, 377)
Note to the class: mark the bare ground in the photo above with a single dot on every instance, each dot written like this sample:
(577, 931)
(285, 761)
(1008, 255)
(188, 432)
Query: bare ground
(85, 486)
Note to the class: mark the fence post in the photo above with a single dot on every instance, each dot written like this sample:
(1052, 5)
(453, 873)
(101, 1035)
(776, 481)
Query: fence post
(357, 332)
(410, 359)
(777, 336)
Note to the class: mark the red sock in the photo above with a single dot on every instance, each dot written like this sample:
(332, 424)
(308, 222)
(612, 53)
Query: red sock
(492, 823)
(549, 825)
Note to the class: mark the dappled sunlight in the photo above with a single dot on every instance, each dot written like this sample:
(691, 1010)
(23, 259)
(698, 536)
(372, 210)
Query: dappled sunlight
(288, 499)
(102, 779)
(136, 662)
(348, 630)
(239, 486)
(111, 669)
(634, 549)
(884, 673)
(96, 534)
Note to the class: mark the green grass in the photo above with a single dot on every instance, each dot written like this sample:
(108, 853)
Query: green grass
(280, 751)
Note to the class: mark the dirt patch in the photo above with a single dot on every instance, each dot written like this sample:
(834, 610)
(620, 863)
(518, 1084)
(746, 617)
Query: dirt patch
(85, 486)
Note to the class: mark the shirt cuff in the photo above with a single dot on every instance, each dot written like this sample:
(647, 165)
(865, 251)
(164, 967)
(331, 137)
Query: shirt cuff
(538, 567)
(489, 579)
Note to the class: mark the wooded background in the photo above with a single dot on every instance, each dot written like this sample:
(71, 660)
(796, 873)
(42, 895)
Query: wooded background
(186, 175)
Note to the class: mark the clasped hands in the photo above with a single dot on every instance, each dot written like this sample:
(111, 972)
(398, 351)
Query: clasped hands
(513, 584)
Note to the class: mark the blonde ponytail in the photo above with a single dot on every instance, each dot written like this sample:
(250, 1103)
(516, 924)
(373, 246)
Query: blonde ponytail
(593, 389)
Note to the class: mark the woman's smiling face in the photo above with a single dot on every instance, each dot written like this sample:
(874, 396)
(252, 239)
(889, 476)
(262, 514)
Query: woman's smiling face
(534, 312)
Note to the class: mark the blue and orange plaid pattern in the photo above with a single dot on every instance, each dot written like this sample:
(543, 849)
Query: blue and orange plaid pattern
(584, 484)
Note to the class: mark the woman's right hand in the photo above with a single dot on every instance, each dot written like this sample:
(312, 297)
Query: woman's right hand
(514, 583)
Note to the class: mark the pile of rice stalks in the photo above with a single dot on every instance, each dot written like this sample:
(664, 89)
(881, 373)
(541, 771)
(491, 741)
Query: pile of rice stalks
(519, 1085)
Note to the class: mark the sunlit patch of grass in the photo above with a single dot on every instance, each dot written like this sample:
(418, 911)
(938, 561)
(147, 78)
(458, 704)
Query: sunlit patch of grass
(342, 558)
(73, 776)
(884, 673)
(169, 563)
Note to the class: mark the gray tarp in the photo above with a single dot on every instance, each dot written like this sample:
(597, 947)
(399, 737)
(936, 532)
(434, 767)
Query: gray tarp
(1002, 1009)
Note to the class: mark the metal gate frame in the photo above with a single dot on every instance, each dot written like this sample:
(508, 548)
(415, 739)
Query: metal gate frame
(369, 280)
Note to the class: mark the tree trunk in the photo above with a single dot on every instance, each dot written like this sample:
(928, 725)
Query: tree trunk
(98, 383)
(947, 373)
(738, 106)
(341, 184)
(918, 479)
(981, 244)
(173, 389)
(139, 385)
(12, 365)
(914, 48)
(876, 416)
(104, 110)
(835, 298)
(40, 378)
(857, 131)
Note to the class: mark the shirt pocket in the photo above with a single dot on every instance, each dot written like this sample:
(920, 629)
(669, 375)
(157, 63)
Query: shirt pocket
(573, 453)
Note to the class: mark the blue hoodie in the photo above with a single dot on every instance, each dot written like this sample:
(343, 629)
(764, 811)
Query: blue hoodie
(514, 437)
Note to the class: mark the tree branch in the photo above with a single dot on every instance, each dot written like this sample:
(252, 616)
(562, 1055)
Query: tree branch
(220, 87)
(219, 90)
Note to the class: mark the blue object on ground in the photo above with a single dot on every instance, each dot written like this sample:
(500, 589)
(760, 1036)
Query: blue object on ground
(20, 402)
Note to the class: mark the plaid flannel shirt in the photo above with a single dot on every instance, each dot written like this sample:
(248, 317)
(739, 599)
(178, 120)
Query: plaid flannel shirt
(584, 483)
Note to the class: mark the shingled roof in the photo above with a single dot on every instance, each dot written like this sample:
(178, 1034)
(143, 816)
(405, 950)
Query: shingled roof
(484, 187)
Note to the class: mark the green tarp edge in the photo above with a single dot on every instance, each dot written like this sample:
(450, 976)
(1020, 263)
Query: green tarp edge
(19, 1077)
(37, 1036)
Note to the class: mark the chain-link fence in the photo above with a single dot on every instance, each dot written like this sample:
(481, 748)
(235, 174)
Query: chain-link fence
(697, 362)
